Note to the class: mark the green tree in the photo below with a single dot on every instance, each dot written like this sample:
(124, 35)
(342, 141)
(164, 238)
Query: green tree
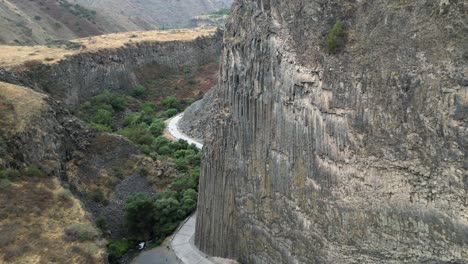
(104, 117)
(139, 215)
(171, 102)
(157, 127)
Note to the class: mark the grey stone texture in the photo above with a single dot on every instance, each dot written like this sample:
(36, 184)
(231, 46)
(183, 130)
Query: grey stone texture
(355, 157)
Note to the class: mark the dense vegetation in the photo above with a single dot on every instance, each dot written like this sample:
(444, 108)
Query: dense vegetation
(148, 217)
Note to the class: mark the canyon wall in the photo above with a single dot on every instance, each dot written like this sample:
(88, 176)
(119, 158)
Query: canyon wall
(76, 78)
(358, 156)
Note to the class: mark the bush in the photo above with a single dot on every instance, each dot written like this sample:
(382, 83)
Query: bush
(182, 183)
(34, 171)
(181, 164)
(104, 117)
(81, 232)
(334, 39)
(139, 134)
(37, 18)
(65, 195)
(157, 127)
(139, 91)
(116, 249)
(9, 174)
(139, 215)
(171, 102)
(5, 184)
(100, 127)
(98, 196)
(116, 100)
(3, 147)
(101, 223)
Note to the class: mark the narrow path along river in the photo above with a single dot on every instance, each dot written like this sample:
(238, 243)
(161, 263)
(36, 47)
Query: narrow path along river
(180, 247)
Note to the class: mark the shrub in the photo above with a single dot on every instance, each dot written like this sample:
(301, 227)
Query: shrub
(171, 102)
(98, 196)
(139, 215)
(37, 18)
(81, 232)
(101, 223)
(104, 117)
(31, 63)
(139, 134)
(145, 149)
(100, 127)
(34, 171)
(10, 174)
(131, 119)
(139, 91)
(160, 142)
(181, 164)
(5, 184)
(143, 172)
(116, 249)
(165, 150)
(182, 183)
(65, 195)
(157, 127)
(3, 147)
(334, 39)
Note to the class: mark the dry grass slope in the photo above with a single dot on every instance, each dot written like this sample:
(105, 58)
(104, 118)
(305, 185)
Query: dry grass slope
(34, 216)
(18, 106)
(20, 55)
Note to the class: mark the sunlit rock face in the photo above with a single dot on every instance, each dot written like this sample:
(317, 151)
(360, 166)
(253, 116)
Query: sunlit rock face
(357, 156)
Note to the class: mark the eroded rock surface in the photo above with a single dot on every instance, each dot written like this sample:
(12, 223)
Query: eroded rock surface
(198, 116)
(354, 157)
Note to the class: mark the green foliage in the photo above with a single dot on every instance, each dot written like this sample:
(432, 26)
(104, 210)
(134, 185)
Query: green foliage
(220, 13)
(37, 18)
(157, 127)
(334, 39)
(100, 127)
(9, 174)
(116, 100)
(79, 11)
(34, 171)
(182, 183)
(171, 102)
(117, 248)
(81, 232)
(139, 215)
(170, 112)
(104, 117)
(4, 184)
(139, 134)
(139, 91)
(181, 164)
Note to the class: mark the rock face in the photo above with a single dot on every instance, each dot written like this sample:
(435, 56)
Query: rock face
(77, 78)
(355, 157)
(197, 117)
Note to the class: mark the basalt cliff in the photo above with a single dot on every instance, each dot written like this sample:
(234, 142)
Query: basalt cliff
(347, 150)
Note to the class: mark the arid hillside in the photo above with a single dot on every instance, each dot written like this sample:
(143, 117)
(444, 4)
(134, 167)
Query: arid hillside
(155, 13)
(29, 22)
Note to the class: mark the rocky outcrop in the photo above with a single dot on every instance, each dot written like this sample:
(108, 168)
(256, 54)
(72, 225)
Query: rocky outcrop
(197, 117)
(76, 78)
(355, 157)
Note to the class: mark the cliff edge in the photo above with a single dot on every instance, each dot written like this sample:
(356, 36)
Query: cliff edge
(340, 134)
